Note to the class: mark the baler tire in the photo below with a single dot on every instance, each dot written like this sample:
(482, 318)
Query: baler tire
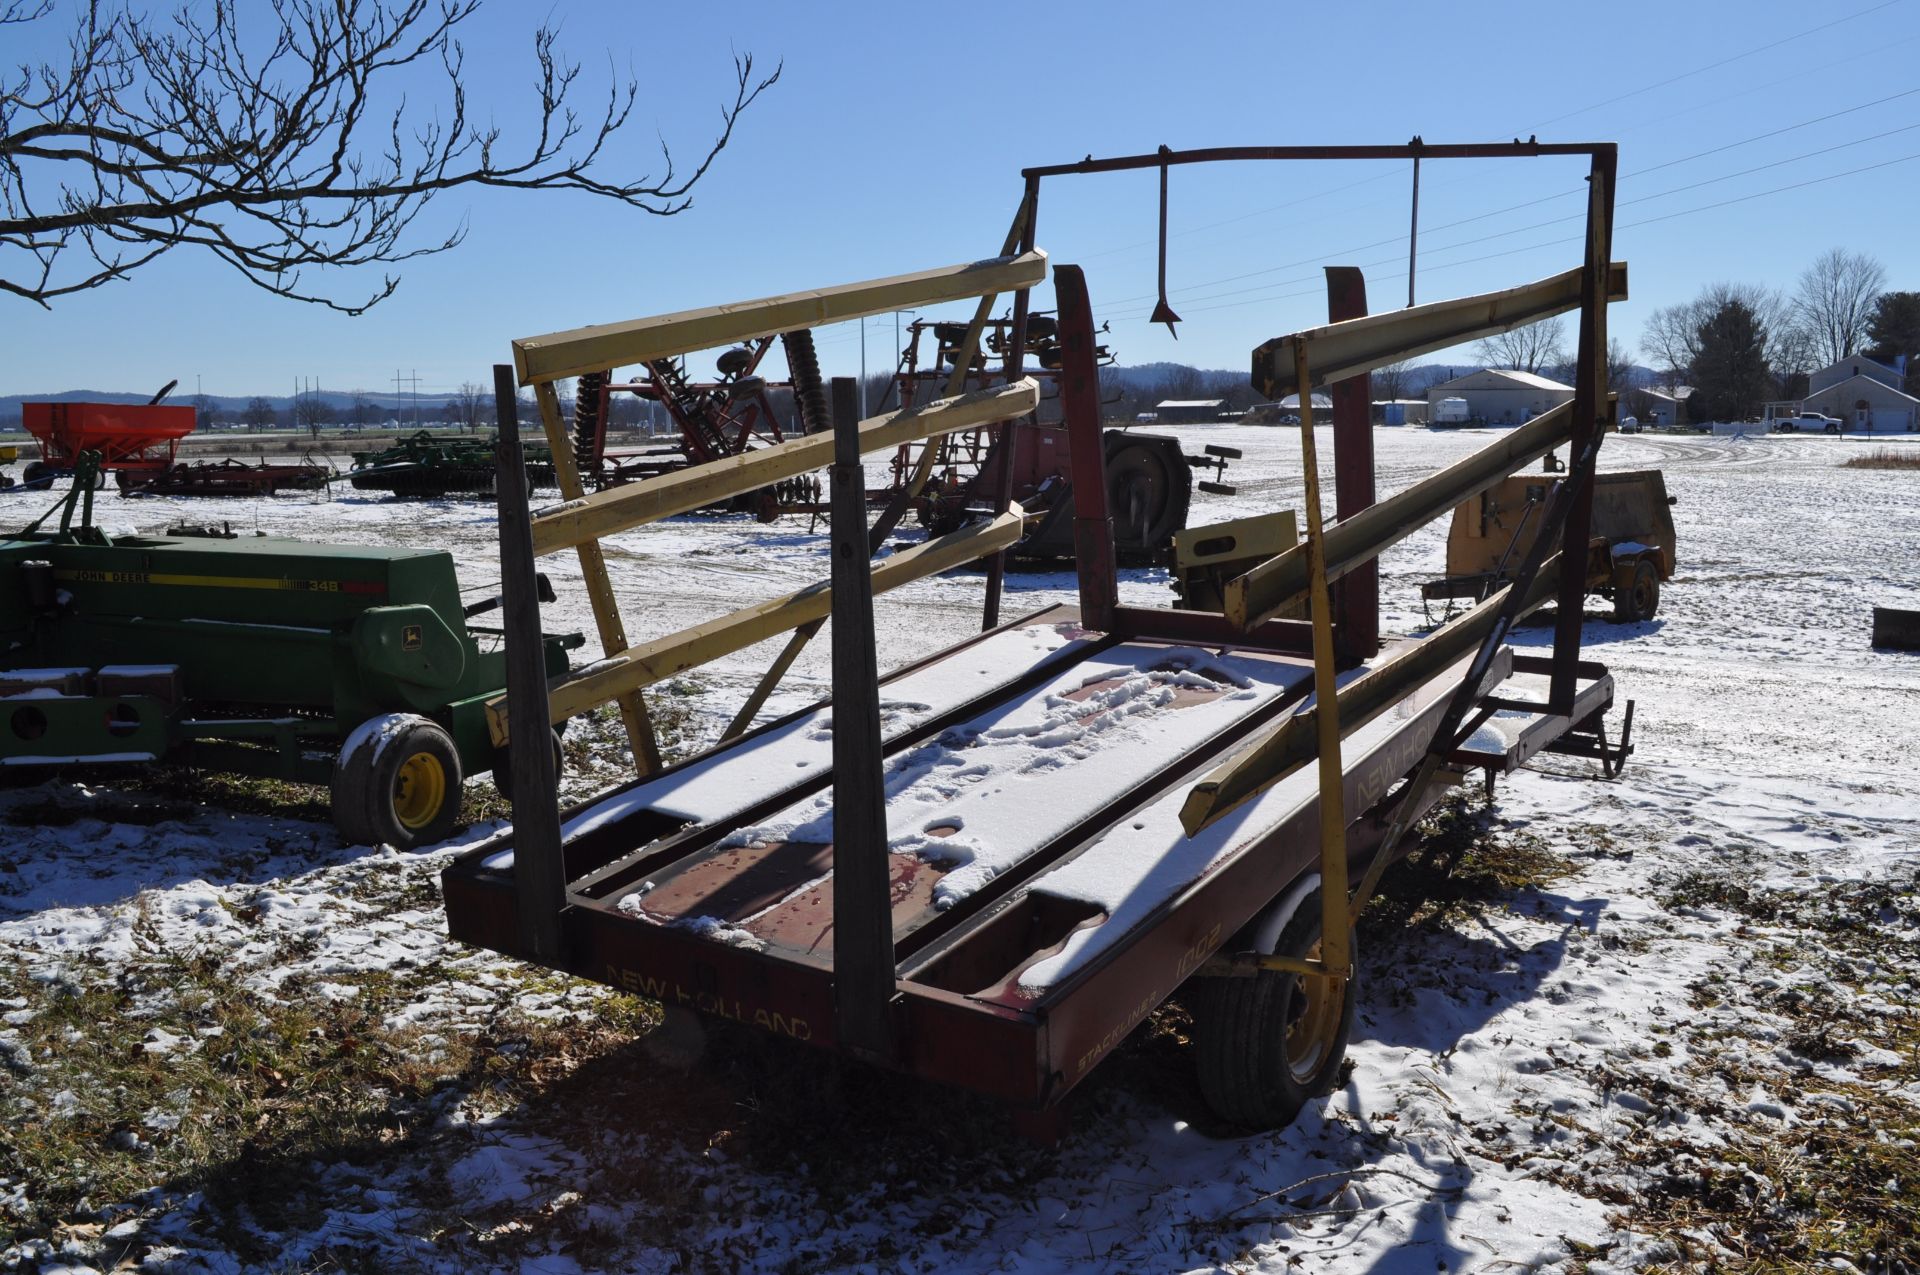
(502, 773)
(398, 784)
(1254, 1070)
(1641, 598)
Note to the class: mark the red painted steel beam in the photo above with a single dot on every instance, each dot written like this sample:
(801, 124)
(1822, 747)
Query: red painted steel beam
(1356, 609)
(1086, 450)
(1219, 154)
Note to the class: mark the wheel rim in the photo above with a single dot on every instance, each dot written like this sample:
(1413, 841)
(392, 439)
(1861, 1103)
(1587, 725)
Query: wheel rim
(1313, 1021)
(419, 790)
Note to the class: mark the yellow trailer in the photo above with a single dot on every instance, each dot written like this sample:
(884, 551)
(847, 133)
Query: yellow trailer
(1630, 552)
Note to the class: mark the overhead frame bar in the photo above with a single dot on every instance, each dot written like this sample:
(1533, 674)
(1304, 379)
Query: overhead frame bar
(594, 349)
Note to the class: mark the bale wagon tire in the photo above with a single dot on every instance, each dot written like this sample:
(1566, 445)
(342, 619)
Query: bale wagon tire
(1641, 596)
(1265, 1045)
(503, 766)
(397, 782)
(36, 476)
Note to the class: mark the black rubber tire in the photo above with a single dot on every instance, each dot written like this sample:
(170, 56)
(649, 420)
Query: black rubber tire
(1149, 487)
(368, 792)
(1240, 1035)
(1641, 598)
(502, 773)
(36, 476)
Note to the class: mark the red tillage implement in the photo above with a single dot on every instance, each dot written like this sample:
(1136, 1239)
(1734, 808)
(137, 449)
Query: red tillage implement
(988, 867)
(136, 441)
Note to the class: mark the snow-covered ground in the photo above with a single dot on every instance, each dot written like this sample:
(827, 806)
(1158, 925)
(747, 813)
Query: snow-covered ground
(1687, 1029)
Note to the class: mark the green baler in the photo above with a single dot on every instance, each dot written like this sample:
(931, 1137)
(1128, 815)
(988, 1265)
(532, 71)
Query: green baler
(351, 666)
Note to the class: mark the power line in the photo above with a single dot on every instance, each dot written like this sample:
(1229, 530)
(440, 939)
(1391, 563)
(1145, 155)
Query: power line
(1551, 243)
(1714, 66)
(1193, 292)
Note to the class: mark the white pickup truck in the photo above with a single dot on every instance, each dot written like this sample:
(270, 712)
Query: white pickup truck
(1806, 423)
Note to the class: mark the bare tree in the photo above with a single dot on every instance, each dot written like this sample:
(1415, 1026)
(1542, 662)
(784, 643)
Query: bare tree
(362, 412)
(311, 411)
(206, 413)
(270, 148)
(1670, 340)
(1391, 382)
(1619, 366)
(1835, 301)
(260, 414)
(468, 405)
(1525, 349)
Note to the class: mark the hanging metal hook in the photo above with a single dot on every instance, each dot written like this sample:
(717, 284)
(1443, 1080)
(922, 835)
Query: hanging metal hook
(1162, 312)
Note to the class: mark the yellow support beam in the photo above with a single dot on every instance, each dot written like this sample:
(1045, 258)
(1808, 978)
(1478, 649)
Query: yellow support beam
(1290, 744)
(618, 509)
(540, 359)
(624, 673)
(1282, 580)
(1334, 922)
(593, 569)
(1353, 346)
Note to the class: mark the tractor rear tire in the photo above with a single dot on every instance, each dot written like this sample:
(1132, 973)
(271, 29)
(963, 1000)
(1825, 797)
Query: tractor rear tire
(1640, 598)
(1265, 1045)
(397, 782)
(503, 766)
(36, 476)
(1149, 486)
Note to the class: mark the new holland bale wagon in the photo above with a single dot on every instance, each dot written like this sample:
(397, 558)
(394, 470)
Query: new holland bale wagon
(988, 867)
(348, 666)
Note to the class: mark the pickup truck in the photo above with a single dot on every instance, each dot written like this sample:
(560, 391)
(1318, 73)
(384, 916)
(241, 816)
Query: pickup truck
(1806, 423)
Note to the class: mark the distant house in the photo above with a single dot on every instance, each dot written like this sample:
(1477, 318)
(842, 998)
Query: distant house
(1667, 407)
(1191, 411)
(1863, 395)
(1846, 369)
(1867, 405)
(1502, 396)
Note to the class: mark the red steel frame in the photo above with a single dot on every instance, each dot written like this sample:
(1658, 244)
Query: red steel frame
(876, 996)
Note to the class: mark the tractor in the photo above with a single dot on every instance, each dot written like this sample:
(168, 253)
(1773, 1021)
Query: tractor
(355, 667)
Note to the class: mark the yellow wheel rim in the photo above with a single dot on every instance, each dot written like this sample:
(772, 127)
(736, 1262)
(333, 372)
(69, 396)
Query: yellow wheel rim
(1313, 1021)
(419, 790)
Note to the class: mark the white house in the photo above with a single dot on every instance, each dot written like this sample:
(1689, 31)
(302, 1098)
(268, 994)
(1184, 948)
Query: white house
(1848, 368)
(1497, 396)
(1864, 396)
(1667, 408)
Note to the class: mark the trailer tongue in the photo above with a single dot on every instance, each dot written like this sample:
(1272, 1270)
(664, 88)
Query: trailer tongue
(988, 867)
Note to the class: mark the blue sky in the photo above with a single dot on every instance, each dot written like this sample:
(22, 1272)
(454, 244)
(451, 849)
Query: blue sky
(895, 137)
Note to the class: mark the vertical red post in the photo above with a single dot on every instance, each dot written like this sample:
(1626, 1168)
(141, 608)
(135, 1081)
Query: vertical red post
(1356, 595)
(1086, 450)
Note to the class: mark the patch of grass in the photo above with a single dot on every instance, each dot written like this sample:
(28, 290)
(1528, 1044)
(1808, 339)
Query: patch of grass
(1463, 860)
(171, 1073)
(1885, 458)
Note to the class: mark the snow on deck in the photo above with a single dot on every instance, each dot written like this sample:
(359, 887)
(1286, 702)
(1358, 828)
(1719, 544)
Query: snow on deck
(719, 787)
(988, 793)
(1146, 860)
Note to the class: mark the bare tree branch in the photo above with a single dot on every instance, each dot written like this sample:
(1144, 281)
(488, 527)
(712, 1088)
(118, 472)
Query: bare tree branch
(1525, 349)
(280, 150)
(1835, 302)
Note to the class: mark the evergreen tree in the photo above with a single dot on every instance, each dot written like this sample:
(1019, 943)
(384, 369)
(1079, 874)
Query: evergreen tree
(1731, 379)
(1894, 330)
